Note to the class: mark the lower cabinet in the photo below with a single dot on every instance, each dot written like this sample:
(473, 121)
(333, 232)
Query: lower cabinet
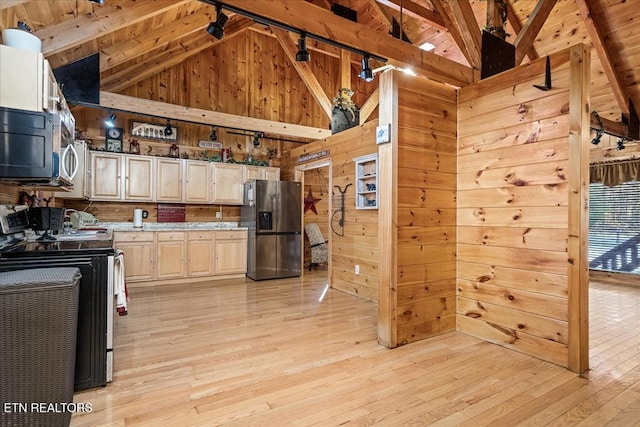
(166, 255)
(231, 252)
(171, 254)
(139, 250)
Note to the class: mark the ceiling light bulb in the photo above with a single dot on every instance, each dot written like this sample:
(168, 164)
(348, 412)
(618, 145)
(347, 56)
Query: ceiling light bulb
(427, 46)
(110, 121)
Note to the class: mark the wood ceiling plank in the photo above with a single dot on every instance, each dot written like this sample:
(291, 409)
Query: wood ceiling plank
(304, 70)
(5, 4)
(527, 35)
(321, 22)
(131, 48)
(195, 115)
(622, 98)
(186, 47)
(416, 11)
(104, 20)
(515, 23)
(452, 28)
(469, 29)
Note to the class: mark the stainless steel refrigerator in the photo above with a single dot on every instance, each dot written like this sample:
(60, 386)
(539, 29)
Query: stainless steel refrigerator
(272, 212)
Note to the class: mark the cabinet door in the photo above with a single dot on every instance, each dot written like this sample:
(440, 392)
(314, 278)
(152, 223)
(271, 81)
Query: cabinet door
(22, 82)
(231, 252)
(171, 255)
(272, 174)
(169, 180)
(106, 170)
(138, 178)
(200, 249)
(139, 254)
(252, 172)
(196, 182)
(228, 181)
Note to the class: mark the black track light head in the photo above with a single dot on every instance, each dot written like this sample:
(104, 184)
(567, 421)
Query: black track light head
(168, 131)
(366, 74)
(214, 135)
(216, 29)
(303, 53)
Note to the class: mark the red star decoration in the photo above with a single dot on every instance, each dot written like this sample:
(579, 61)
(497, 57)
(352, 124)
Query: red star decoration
(310, 203)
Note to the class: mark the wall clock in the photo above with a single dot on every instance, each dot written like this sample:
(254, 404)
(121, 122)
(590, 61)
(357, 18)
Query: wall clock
(113, 139)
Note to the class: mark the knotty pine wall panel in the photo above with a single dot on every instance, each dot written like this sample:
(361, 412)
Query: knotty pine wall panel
(514, 211)
(359, 245)
(426, 212)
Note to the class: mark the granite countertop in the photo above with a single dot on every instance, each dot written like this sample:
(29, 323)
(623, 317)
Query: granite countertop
(171, 226)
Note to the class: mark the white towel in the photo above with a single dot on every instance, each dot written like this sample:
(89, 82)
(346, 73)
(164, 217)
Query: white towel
(119, 284)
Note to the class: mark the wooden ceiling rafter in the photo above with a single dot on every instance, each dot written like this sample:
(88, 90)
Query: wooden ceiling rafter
(416, 11)
(617, 87)
(129, 49)
(381, 14)
(527, 35)
(469, 29)
(515, 23)
(105, 20)
(453, 29)
(151, 108)
(345, 68)
(304, 70)
(182, 49)
(369, 105)
(323, 23)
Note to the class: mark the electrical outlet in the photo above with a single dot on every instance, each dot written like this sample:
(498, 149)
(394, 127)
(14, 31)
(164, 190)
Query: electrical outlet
(218, 215)
(357, 269)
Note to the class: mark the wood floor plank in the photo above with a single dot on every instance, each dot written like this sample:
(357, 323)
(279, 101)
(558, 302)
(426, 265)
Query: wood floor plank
(272, 353)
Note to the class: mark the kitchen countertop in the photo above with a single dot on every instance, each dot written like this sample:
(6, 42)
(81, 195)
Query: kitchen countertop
(171, 226)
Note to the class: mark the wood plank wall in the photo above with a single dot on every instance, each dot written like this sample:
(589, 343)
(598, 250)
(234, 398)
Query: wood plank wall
(422, 215)
(359, 245)
(514, 211)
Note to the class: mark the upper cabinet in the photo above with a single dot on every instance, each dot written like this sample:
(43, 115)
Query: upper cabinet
(23, 74)
(131, 177)
(228, 181)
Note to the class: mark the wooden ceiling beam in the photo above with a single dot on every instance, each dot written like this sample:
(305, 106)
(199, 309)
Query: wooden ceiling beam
(527, 35)
(469, 29)
(416, 11)
(104, 20)
(179, 51)
(369, 106)
(515, 23)
(345, 68)
(452, 29)
(132, 48)
(304, 70)
(195, 115)
(321, 22)
(618, 89)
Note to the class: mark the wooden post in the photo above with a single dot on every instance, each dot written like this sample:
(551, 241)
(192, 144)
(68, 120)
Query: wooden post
(387, 213)
(577, 256)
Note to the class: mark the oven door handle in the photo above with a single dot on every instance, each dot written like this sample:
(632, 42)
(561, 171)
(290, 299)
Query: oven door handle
(71, 148)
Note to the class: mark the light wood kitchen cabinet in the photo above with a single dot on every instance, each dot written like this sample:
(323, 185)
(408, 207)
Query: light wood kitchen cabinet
(196, 181)
(105, 176)
(228, 181)
(23, 84)
(200, 253)
(169, 180)
(231, 252)
(171, 254)
(115, 176)
(139, 250)
(259, 172)
(138, 178)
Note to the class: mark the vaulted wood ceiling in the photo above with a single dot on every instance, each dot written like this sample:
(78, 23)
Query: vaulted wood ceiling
(137, 39)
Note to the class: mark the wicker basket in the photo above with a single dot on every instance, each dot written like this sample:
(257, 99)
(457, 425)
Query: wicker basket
(39, 316)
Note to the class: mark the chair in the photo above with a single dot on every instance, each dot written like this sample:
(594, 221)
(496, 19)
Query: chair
(317, 244)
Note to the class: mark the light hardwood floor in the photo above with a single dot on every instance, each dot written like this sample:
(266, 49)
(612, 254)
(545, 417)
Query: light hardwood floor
(244, 353)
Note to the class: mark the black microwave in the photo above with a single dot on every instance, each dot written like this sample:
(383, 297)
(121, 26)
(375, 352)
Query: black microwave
(32, 150)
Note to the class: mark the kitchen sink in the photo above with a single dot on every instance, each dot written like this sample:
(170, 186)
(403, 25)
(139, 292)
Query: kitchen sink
(85, 235)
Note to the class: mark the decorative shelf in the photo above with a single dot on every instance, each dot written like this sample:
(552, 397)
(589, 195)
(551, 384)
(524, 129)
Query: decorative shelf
(367, 181)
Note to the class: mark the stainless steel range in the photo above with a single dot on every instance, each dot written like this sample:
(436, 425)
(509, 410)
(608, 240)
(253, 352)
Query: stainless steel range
(94, 256)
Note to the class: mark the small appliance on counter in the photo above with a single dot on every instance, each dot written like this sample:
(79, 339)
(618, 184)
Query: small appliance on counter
(46, 220)
(80, 219)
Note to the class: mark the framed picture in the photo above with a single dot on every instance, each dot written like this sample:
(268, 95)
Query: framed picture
(167, 132)
(113, 139)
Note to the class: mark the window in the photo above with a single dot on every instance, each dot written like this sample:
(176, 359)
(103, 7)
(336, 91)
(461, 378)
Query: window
(614, 227)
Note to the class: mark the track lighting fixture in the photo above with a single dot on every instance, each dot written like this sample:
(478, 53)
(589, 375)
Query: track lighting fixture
(596, 140)
(110, 121)
(168, 131)
(214, 135)
(256, 138)
(366, 74)
(621, 144)
(216, 29)
(303, 53)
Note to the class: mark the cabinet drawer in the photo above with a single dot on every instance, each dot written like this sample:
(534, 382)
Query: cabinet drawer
(228, 235)
(200, 235)
(166, 236)
(133, 236)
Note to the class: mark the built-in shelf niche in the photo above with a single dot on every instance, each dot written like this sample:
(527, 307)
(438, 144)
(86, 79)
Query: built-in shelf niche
(367, 181)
